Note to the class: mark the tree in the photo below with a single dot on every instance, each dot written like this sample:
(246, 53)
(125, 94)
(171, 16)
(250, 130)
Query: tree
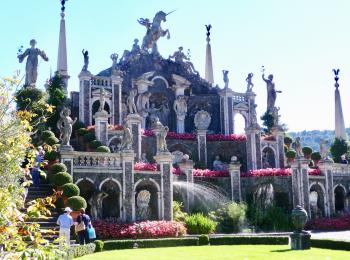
(338, 148)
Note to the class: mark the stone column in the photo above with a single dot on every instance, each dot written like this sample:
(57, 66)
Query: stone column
(116, 109)
(326, 167)
(101, 123)
(226, 111)
(128, 213)
(67, 159)
(85, 97)
(253, 147)
(202, 146)
(165, 160)
(133, 121)
(235, 175)
(187, 168)
(278, 133)
(300, 183)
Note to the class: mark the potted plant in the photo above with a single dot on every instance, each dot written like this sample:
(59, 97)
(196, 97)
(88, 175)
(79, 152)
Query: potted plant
(307, 151)
(291, 154)
(62, 178)
(316, 157)
(288, 141)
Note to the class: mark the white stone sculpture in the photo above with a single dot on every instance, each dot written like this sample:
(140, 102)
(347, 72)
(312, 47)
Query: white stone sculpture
(160, 132)
(143, 101)
(180, 106)
(127, 139)
(131, 101)
(180, 57)
(32, 62)
(271, 92)
(114, 58)
(143, 199)
(225, 78)
(202, 120)
(323, 149)
(275, 115)
(218, 165)
(296, 145)
(65, 125)
(96, 204)
(102, 100)
(144, 158)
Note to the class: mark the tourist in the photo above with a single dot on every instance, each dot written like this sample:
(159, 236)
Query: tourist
(343, 159)
(81, 228)
(65, 221)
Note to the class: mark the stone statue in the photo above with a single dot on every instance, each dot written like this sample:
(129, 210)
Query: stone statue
(180, 106)
(161, 132)
(114, 58)
(143, 101)
(143, 209)
(226, 79)
(202, 120)
(250, 85)
(219, 165)
(144, 158)
(65, 125)
(96, 204)
(135, 47)
(275, 115)
(181, 58)
(271, 92)
(86, 60)
(127, 139)
(32, 62)
(131, 101)
(323, 149)
(296, 145)
(153, 111)
(253, 116)
(154, 32)
(103, 95)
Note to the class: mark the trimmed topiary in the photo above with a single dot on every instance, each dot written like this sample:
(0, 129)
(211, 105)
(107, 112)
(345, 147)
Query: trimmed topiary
(70, 190)
(316, 156)
(94, 144)
(103, 149)
(88, 137)
(82, 131)
(51, 140)
(76, 203)
(99, 245)
(47, 134)
(288, 140)
(307, 151)
(62, 178)
(51, 156)
(203, 240)
(58, 167)
(291, 154)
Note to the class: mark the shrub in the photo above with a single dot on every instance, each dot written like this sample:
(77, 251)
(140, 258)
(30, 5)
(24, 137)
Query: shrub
(80, 250)
(338, 148)
(246, 240)
(150, 243)
(78, 125)
(99, 245)
(58, 167)
(59, 203)
(51, 156)
(203, 240)
(82, 131)
(51, 140)
(288, 140)
(76, 203)
(47, 134)
(88, 137)
(316, 156)
(178, 213)
(62, 178)
(330, 244)
(199, 224)
(291, 154)
(103, 149)
(230, 217)
(70, 190)
(94, 144)
(307, 151)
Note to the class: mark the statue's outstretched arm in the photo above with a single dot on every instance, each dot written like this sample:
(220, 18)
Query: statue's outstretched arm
(23, 55)
(43, 55)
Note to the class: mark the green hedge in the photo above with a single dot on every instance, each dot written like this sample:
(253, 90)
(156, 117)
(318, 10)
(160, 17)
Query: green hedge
(330, 244)
(99, 245)
(199, 224)
(203, 240)
(249, 240)
(51, 156)
(47, 134)
(81, 250)
(147, 243)
(52, 140)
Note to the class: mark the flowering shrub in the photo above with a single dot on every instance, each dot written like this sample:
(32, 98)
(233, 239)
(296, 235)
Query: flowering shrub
(145, 229)
(148, 132)
(139, 166)
(116, 127)
(177, 171)
(183, 136)
(268, 138)
(276, 172)
(210, 173)
(338, 223)
(315, 171)
(91, 128)
(222, 137)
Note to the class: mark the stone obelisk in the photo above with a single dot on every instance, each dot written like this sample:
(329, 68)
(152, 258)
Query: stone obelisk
(340, 132)
(209, 76)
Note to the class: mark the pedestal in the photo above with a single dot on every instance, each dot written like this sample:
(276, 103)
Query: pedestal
(85, 97)
(300, 183)
(116, 109)
(187, 168)
(101, 123)
(202, 146)
(67, 159)
(180, 124)
(128, 213)
(133, 121)
(253, 146)
(300, 240)
(165, 159)
(326, 166)
(278, 133)
(226, 111)
(235, 175)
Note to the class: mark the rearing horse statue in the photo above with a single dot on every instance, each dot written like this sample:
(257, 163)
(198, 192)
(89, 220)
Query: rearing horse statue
(154, 31)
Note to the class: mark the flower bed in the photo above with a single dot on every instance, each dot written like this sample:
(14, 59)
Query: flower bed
(91, 128)
(115, 127)
(222, 137)
(177, 171)
(145, 229)
(209, 173)
(276, 172)
(315, 171)
(338, 223)
(183, 136)
(268, 138)
(145, 166)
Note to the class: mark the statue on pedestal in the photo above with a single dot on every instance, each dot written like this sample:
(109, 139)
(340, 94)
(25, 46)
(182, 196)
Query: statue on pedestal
(32, 62)
(226, 79)
(136, 47)
(131, 101)
(103, 95)
(296, 145)
(114, 58)
(181, 58)
(219, 165)
(96, 204)
(143, 101)
(323, 149)
(180, 106)
(127, 139)
(65, 125)
(86, 60)
(250, 85)
(161, 132)
(275, 115)
(271, 91)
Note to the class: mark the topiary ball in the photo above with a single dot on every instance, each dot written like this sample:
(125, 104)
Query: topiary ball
(76, 203)
(51, 156)
(58, 167)
(51, 140)
(103, 149)
(70, 190)
(291, 154)
(316, 156)
(288, 140)
(307, 150)
(62, 178)
(99, 245)
(47, 134)
(94, 144)
(203, 240)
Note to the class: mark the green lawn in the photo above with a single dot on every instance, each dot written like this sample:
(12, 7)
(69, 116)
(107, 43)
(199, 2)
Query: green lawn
(220, 252)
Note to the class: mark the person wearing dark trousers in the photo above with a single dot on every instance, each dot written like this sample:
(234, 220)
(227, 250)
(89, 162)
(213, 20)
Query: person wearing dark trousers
(83, 220)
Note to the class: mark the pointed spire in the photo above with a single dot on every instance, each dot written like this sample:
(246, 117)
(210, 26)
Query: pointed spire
(209, 75)
(62, 67)
(339, 118)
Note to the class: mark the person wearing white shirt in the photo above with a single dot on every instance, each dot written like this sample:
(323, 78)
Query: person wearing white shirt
(65, 221)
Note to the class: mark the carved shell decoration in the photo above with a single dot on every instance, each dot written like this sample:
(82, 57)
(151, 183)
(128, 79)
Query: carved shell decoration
(143, 198)
(202, 120)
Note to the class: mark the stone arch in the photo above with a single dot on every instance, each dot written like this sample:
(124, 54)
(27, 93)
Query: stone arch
(269, 159)
(95, 104)
(162, 79)
(113, 143)
(317, 200)
(237, 124)
(111, 205)
(87, 189)
(339, 198)
(154, 208)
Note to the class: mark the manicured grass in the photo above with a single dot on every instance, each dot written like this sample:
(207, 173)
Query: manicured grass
(220, 252)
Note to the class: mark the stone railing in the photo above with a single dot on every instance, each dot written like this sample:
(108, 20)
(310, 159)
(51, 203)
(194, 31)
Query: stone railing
(339, 168)
(239, 97)
(96, 160)
(101, 81)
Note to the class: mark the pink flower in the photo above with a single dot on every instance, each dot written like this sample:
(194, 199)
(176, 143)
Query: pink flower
(177, 171)
(210, 173)
(139, 166)
(222, 137)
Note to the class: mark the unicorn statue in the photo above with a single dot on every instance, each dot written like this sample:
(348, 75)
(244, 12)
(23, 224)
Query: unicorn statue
(154, 31)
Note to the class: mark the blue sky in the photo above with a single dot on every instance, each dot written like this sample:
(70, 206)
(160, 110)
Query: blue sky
(300, 42)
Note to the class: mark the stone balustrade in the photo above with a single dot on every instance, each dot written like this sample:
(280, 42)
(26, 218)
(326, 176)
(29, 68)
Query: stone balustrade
(96, 160)
(101, 81)
(239, 97)
(339, 168)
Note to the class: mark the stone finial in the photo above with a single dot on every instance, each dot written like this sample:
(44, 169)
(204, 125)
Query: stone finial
(336, 77)
(202, 120)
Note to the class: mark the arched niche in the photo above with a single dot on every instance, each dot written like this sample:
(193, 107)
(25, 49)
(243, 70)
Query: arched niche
(339, 198)
(317, 200)
(268, 157)
(87, 189)
(239, 122)
(111, 205)
(153, 207)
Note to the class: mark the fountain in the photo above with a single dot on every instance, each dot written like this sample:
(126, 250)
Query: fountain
(264, 196)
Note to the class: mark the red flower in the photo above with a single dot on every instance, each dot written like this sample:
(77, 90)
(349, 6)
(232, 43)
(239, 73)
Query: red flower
(210, 173)
(145, 166)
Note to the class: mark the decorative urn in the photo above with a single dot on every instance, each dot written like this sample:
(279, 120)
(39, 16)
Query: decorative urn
(299, 218)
